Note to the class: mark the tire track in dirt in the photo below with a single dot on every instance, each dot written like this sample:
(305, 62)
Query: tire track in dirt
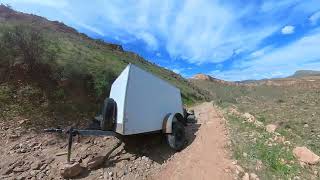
(206, 157)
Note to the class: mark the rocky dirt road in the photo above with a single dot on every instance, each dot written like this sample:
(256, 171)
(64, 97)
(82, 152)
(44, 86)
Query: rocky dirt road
(26, 154)
(206, 157)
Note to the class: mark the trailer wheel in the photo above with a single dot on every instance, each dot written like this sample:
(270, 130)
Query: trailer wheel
(108, 114)
(177, 138)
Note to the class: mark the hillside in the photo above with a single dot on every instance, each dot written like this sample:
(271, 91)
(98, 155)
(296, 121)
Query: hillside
(291, 105)
(219, 90)
(50, 68)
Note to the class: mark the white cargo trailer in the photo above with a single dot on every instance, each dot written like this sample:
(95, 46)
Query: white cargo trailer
(139, 102)
(143, 101)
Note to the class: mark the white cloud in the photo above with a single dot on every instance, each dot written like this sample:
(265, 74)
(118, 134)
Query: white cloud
(302, 54)
(150, 40)
(206, 31)
(288, 30)
(260, 52)
(274, 5)
(315, 18)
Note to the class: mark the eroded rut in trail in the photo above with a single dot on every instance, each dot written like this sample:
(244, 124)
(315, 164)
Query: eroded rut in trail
(25, 154)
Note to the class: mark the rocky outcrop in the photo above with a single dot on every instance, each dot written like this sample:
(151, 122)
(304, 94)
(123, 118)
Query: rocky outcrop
(205, 77)
(202, 77)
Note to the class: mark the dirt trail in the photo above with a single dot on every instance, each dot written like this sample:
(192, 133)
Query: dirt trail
(206, 157)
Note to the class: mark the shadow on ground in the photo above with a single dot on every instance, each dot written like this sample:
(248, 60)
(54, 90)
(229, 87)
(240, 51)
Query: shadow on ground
(155, 146)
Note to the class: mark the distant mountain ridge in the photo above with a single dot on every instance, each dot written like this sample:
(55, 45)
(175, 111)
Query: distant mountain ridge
(298, 77)
(304, 73)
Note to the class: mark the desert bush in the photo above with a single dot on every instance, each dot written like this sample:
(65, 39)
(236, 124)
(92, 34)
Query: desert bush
(23, 42)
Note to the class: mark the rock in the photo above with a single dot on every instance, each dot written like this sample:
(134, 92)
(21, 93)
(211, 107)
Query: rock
(22, 176)
(253, 176)
(305, 125)
(34, 173)
(280, 139)
(258, 165)
(95, 162)
(239, 169)
(61, 153)
(233, 110)
(287, 143)
(271, 128)
(120, 174)
(13, 136)
(315, 173)
(36, 165)
(258, 123)
(41, 175)
(50, 160)
(246, 177)
(234, 162)
(8, 171)
(244, 154)
(70, 170)
(305, 155)
(21, 169)
(33, 144)
(249, 117)
(23, 150)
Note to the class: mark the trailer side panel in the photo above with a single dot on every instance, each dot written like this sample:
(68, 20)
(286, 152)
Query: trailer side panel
(148, 100)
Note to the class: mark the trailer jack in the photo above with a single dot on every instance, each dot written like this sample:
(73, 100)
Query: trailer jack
(73, 132)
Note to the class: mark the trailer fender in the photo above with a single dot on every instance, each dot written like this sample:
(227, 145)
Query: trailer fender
(169, 119)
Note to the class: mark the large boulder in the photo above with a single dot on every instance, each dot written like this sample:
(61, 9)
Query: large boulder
(305, 155)
(70, 170)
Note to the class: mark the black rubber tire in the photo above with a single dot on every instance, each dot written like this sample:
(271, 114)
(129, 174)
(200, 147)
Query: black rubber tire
(109, 114)
(177, 139)
(185, 113)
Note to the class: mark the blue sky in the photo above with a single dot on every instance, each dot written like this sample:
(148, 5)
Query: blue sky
(229, 39)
